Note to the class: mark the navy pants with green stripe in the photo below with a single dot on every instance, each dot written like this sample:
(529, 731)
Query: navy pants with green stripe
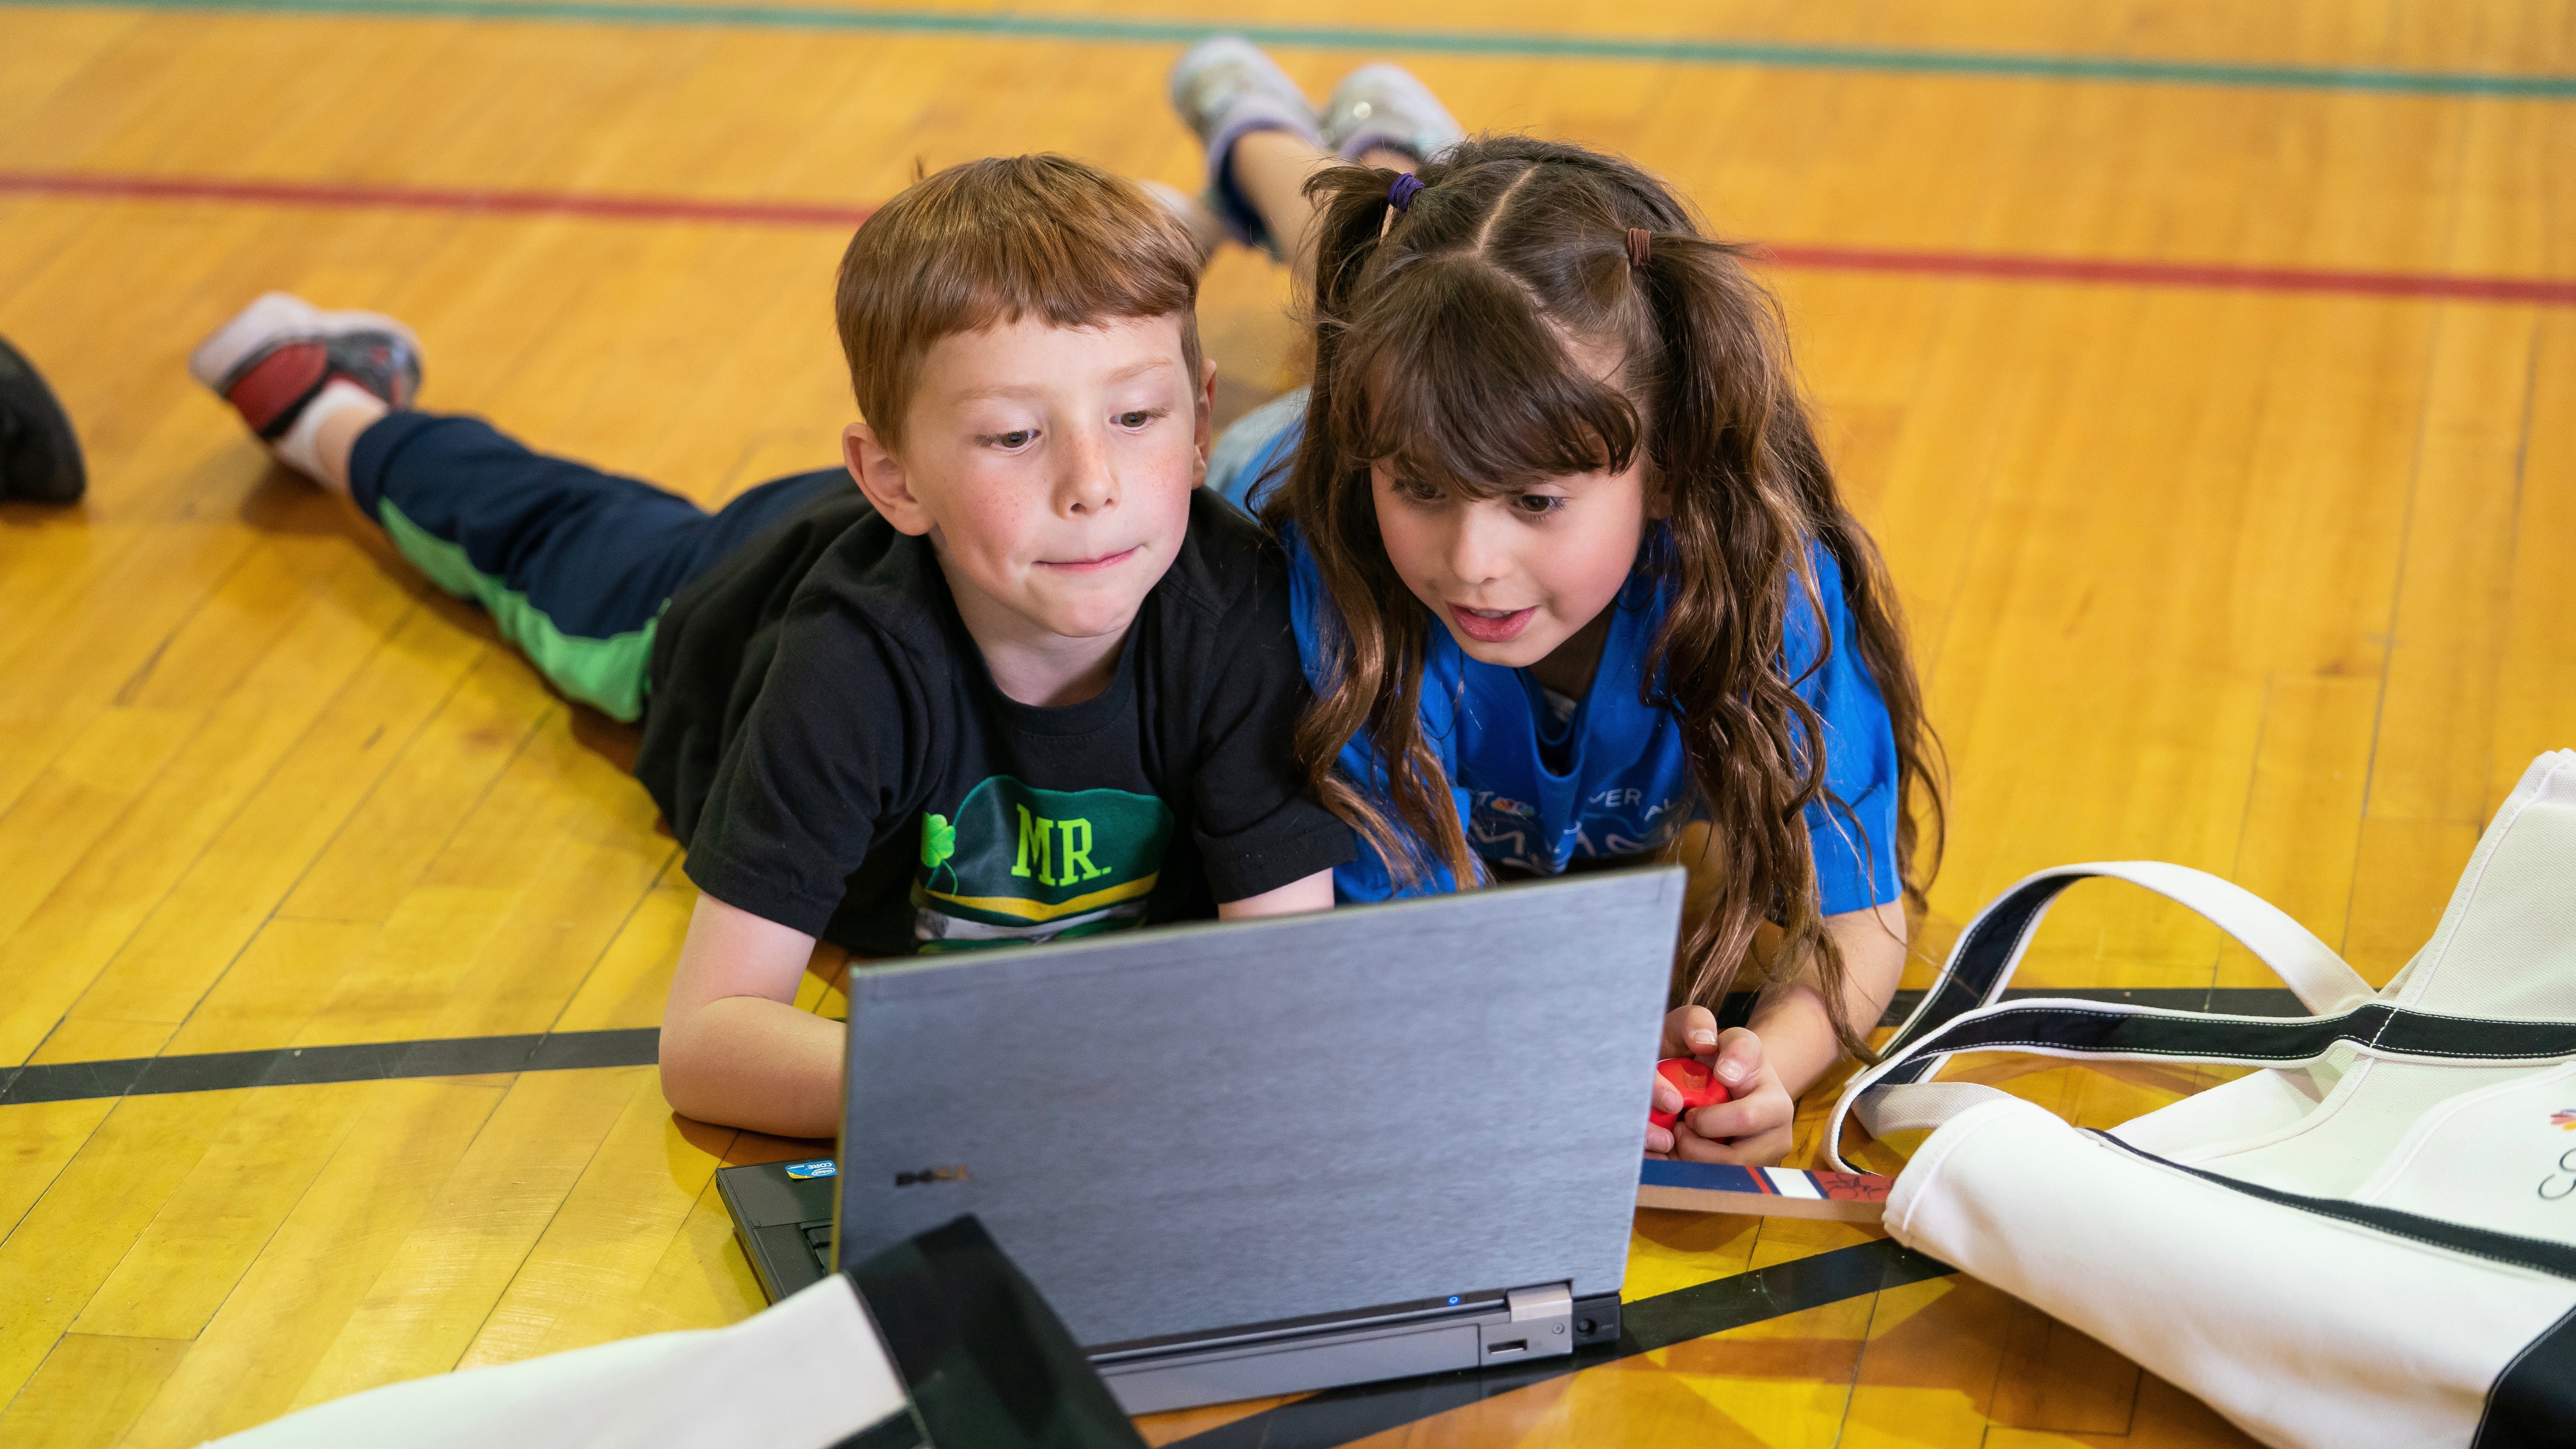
(574, 564)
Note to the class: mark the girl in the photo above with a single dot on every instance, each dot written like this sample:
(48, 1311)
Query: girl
(1574, 585)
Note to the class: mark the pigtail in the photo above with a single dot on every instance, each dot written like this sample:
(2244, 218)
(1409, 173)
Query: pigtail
(1748, 490)
(1751, 734)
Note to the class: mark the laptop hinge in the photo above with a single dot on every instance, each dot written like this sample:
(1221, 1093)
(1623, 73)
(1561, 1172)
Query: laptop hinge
(1541, 1325)
(1529, 1323)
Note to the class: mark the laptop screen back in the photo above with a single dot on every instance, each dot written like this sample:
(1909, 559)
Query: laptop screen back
(1185, 1130)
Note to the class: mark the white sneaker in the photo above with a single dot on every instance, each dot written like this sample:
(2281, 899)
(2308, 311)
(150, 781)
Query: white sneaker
(1384, 107)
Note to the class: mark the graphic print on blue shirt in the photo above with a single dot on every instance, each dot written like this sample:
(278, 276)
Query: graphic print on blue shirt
(1616, 780)
(1523, 813)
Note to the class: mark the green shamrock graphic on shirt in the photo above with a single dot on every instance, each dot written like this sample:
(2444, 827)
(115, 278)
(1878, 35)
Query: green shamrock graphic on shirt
(938, 841)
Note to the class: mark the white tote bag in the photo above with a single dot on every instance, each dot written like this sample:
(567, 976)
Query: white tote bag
(2370, 1242)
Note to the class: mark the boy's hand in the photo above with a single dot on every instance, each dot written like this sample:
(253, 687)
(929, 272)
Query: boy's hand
(1753, 1129)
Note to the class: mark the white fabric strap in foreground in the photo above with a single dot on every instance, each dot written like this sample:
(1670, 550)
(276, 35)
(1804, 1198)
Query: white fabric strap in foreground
(2101, 1030)
(1987, 953)
(805, 1374)
(1919, 1109)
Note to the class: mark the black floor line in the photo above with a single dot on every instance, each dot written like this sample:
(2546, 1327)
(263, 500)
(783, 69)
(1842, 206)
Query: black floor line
(1340, 1416)
(2226, 1000)
(571, 1050)
(300, 1066)
(1333, 1417)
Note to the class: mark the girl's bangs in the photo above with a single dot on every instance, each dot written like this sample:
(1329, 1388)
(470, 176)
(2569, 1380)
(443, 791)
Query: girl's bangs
(1470, 391)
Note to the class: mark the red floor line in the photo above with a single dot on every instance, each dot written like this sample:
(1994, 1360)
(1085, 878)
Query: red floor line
(2540, 291)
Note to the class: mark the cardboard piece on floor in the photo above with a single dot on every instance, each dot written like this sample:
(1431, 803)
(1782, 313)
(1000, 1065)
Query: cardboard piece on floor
(1771, 1192)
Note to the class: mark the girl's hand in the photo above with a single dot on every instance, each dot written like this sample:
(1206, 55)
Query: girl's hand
(1752, 1130)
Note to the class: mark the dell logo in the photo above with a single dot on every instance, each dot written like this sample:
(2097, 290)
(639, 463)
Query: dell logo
(954, 1173)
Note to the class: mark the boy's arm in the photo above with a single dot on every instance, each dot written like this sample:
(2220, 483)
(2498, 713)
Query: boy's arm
(735, 1048)
(1314, 893)
(1791, 1045)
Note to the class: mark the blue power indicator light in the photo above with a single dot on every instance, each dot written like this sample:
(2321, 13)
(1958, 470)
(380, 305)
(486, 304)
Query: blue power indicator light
(1453, 1300)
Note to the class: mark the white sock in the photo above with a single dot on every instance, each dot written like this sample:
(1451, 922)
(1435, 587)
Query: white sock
(295, 449)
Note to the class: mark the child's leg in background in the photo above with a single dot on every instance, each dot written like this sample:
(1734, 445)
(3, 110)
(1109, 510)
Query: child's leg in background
(573, 564)
(1270, 169)
(1264, 138)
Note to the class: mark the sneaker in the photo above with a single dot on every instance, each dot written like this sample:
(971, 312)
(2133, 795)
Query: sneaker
(40, 458)
(281, 351)
(1383, 107)
(1225, 88)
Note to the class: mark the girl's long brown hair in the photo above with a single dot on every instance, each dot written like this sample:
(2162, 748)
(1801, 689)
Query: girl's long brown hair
(1440, 349)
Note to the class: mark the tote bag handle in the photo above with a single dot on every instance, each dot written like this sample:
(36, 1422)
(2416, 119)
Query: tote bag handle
(1987, 953)
(1960, 1012)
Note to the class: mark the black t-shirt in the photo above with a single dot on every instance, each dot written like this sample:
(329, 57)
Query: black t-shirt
(824, 736)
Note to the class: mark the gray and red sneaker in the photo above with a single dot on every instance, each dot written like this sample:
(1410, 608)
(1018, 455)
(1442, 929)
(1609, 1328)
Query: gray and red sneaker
(281, 351)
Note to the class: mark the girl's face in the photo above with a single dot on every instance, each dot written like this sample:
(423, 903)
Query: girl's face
(1516, 576)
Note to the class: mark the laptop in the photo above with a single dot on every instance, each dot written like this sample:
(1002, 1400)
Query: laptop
(1263, 1157)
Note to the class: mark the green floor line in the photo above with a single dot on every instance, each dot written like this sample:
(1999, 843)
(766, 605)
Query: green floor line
(1517, 45)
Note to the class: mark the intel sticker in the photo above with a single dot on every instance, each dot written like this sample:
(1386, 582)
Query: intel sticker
(821, 1168)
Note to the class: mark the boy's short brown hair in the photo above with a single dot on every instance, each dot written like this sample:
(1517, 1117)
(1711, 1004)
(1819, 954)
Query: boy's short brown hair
(994, 241)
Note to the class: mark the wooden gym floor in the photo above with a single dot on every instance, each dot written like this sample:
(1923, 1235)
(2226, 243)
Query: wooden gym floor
(2208, 373)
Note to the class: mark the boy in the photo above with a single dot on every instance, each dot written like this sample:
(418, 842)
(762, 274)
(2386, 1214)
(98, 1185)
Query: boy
(1024, 681)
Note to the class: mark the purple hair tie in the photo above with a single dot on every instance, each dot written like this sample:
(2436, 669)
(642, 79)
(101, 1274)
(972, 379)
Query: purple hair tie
(1399, 197)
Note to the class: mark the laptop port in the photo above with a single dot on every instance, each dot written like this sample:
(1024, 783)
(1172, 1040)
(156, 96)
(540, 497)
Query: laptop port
(1509, 1345)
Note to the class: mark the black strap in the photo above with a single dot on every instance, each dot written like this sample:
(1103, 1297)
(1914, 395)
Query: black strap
(2538, 1254)
(2533, 1402)
(1978, 964)
(985, 1362)
(2143, 1031)
(1956, 1016)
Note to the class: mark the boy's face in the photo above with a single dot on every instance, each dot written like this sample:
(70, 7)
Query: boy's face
(1052, 469)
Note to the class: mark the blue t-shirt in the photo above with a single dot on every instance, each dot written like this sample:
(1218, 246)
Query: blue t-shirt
(1625, 786)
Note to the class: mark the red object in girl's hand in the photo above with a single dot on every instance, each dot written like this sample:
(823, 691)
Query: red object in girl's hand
(1698, 1085)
